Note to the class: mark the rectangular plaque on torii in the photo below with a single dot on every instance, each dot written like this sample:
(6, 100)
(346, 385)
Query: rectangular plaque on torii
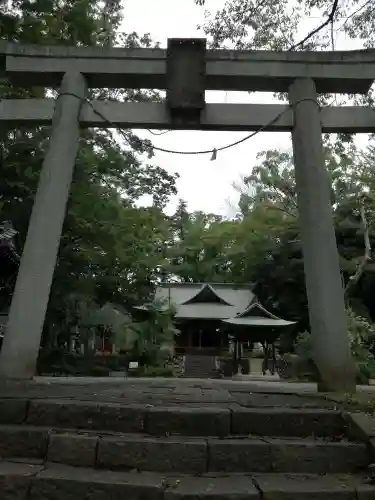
(186, 78)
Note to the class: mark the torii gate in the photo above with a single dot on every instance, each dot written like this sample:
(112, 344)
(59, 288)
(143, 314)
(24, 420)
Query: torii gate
(185, 70)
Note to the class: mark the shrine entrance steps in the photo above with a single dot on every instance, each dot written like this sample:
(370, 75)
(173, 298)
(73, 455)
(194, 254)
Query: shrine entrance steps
(169, 440)
(199, 366)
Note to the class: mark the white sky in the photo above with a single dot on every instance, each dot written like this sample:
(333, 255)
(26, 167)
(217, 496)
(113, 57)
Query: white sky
(205, 185)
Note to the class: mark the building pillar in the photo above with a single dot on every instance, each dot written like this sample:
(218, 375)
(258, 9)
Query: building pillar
(324, 288)
(30, 299)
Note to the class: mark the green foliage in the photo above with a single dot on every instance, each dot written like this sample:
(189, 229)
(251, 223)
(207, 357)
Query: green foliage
(366, 369)
(303, 344)
(201, 246)
(245, 24)
(110, 250)
(360, 332)
(156, 371)
(361, 335)
(157, 330)
(61, 362)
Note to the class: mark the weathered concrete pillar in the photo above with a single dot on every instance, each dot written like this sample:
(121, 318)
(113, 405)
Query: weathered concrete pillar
(30, 299)
(321, 261)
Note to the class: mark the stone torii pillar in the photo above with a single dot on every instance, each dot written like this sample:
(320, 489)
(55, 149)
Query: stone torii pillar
(21, 343)
(321, 261)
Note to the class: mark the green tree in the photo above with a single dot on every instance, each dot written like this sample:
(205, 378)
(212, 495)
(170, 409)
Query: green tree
(110, 248)
(201, 246)
(250, 24)
(270, 190)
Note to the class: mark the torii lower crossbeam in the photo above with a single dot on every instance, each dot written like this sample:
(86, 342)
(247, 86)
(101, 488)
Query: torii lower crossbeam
(151, 115)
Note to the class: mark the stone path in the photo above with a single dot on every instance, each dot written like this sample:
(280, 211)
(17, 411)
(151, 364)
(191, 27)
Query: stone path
(194, 392)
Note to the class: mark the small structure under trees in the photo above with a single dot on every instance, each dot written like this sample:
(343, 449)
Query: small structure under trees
(257, 325)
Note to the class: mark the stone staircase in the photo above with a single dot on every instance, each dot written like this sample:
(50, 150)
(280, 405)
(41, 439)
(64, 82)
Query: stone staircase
(199, 366)
(65, 449)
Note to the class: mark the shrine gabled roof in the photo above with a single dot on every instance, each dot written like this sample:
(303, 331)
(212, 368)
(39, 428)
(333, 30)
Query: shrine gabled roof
(255, 309)
(239, 296)
(205, 300)
(257, 315)
(208, 295)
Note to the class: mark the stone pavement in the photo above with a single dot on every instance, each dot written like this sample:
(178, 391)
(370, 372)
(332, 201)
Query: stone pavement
(195, 392)
(240, 382)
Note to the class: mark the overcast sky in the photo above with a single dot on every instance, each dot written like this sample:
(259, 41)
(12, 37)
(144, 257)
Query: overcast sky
(206, 185)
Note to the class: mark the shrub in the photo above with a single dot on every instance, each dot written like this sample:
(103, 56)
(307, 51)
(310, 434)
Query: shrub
(156, 371)
(52, 361)
(99, 371)
(366, 370)
(303, 345)
(361, 335)
(360, 332)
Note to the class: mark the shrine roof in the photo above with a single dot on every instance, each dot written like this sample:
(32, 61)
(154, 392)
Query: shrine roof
(254, 321)
(205, 300)
(234, 304)
(257, 315)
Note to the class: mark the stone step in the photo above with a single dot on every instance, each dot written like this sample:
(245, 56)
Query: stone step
(212, 420)
(182, 454)
(199, 369)
(199, 366)
(21, 481)
(199, 372)
(197, 363)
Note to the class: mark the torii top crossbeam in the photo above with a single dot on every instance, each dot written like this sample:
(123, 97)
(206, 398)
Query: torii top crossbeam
(336, 72)
(186, 70)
